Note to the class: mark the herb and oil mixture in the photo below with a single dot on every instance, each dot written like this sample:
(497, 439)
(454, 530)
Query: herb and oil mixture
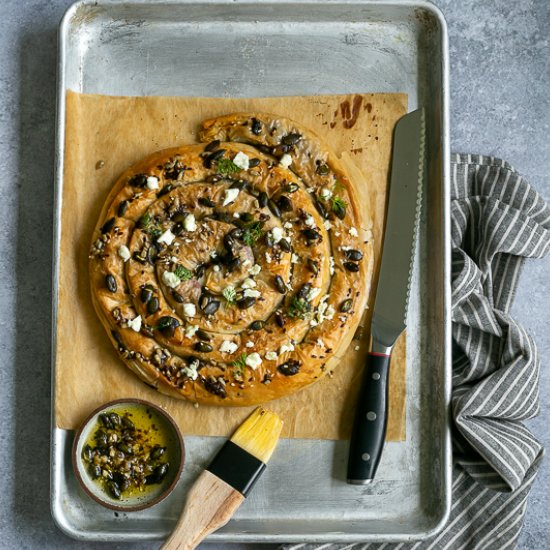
(127, 453)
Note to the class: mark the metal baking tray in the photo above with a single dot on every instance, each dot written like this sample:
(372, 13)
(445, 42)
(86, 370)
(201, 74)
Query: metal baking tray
(273, 48)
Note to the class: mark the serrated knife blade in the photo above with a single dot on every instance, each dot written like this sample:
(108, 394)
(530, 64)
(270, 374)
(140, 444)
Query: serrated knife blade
(392, 294)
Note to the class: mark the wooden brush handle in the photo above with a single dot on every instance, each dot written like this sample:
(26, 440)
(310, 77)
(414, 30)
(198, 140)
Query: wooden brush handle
(210, 504)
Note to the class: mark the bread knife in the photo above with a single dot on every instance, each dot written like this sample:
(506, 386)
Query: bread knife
(392, 294)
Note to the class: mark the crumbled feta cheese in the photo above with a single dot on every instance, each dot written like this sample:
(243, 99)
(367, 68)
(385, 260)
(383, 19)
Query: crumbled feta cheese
(213, 254)
(286, 160)
(167, 237)
(271, 355)
(216, 268)
(152, 183)
(170, 279)
(246, 262)
(190, 330)
(329, 314)
(331, 265)
(241, 160)
(295, 259)
(313, 293)
(248, 283)
(124, 252)
(357, 348)
(228, 347)
(251, 293)
(345, 248)
(189, 310)
(191, 370)
(287, 225)
(277, 234)
(320, 343)
(309, 221)
(326, 193)
(337, 234)
(328, 225)
(286, 347)
(353, 232)
(189, 223)
(236, 215)
(230, 196)
(255, 269)
(253, 360)
(268, 257)
(135, 323)
(249, 344)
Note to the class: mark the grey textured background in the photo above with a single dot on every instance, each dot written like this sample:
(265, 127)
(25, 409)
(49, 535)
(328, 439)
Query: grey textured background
(500, 83)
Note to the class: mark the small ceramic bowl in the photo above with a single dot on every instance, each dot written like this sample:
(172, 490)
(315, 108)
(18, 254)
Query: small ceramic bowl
(163, 425)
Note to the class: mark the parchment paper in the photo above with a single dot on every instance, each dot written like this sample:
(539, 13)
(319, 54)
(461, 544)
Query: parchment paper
(105, 135)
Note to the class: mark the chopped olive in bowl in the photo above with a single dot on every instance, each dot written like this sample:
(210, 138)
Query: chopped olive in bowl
(128, 454)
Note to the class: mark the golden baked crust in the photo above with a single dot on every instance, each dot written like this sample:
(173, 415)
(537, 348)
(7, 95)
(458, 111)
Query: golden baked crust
(230, 265)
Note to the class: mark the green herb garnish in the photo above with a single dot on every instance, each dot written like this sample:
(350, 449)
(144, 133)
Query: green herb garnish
(183, 273)
(252, 232)
(155, 232)
(230, 295)
(145, 221)
(298, 307)
(227, 167)
(240, 363)
(338, 206)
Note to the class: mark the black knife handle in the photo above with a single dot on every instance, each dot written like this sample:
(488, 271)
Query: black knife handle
(369, 426)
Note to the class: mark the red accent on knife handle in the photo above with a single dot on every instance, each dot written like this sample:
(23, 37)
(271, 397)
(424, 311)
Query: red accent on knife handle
(379, 354)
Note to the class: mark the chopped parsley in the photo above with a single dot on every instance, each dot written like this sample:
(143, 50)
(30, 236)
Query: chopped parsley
(226, 167)
(298, 307)
(183, 273)
(338, 206)
(145, 221)
(240, 363)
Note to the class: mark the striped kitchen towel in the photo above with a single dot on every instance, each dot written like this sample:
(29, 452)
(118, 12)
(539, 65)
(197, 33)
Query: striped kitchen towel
(498, 220)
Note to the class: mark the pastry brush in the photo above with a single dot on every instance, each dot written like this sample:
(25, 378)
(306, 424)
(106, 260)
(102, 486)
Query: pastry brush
(223, 486)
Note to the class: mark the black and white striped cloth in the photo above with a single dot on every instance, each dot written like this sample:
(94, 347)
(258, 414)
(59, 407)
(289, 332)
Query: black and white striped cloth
(498, 220)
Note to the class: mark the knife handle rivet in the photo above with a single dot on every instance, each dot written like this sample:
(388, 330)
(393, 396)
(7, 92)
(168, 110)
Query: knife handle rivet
(365, 457)
(376, 376)
(371, 415)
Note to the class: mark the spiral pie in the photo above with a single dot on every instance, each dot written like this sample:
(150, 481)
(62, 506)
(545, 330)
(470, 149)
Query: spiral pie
(234, 271)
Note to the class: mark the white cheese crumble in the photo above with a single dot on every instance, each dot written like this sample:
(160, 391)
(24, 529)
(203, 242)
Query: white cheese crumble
(287, 225)
(236, 215)
(249, 344)
(313, 293)
(191, 370)
(135, 324)
(228, 347)
(190, 330)
(328, 225)
(286, 161)
(320, 343)
(189, 223)
(268, 257)
(152, 183)
(326, 193)
(230, 196)
(189, 310)
(353, 232)
(251, 293)
(170, 279)
(248, 283)
(255, 269)
(241, 160)
(253, 360)
(277, 234)
(216, 268)
(295, 259)
(331, 265)
(286, 347)
(271, 355)
(357, 348)
(167, 237)
(310, 222)
(124, 252)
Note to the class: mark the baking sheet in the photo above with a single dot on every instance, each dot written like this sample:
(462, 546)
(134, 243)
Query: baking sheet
(227, 48)
(105, 135)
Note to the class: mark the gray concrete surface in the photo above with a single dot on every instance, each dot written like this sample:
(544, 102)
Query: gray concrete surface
(500, 82)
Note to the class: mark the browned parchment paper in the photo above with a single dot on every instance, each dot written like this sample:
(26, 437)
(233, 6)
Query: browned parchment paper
(105, 135)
